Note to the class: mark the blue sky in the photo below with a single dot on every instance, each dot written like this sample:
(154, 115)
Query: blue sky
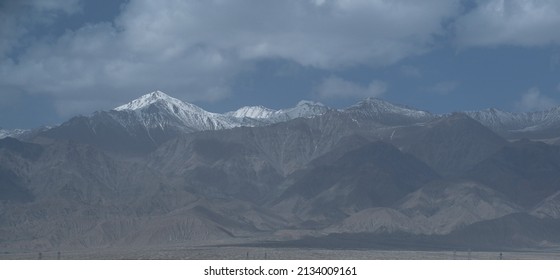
(60, 58)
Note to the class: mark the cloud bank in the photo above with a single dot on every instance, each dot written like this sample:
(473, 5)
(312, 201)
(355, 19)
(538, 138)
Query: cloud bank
(195, 49)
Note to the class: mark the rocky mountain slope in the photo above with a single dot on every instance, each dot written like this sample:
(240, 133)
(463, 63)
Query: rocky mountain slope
(159, 171)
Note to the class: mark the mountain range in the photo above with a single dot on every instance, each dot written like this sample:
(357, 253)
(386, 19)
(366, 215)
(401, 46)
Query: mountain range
(157, 111)
(159, 171)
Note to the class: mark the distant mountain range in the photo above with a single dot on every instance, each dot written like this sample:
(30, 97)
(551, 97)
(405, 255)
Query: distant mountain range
(542, 124)
(157, 110)
(160, 171)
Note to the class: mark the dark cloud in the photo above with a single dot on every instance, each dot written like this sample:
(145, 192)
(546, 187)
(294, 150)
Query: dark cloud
(195, 48)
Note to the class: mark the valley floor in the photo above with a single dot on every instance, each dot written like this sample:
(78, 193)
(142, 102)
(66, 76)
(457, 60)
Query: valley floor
(259, 253)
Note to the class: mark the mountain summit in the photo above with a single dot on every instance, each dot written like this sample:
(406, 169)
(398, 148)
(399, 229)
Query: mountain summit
(303, 109)
(149, 99)
(144, 123)
(381, 111)
(159, 110)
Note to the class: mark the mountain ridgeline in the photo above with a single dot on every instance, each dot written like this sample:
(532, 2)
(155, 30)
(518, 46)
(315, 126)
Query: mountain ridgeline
(159, 171)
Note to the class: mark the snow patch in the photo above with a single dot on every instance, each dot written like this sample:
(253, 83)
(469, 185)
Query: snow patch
(15, 133)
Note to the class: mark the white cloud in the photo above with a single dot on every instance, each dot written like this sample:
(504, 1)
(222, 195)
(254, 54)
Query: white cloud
(445, 87)
(194, 49)
(533, 100)
(317, 33)
(510, 22)
(334, 87)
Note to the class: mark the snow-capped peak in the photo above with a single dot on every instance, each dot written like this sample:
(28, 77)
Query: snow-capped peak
(159, 110)
(148, 99)
(309, 103)
(12, 132)
(254, 112)
(376, 106)
(303, 109)
(523, 121)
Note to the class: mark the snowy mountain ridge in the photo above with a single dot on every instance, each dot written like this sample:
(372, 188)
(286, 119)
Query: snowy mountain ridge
(254, 112)
(386, 113)
(304, 109)
(157, 109)
(12, 132)
(151, 98)
(499, 120)
(375, 106)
